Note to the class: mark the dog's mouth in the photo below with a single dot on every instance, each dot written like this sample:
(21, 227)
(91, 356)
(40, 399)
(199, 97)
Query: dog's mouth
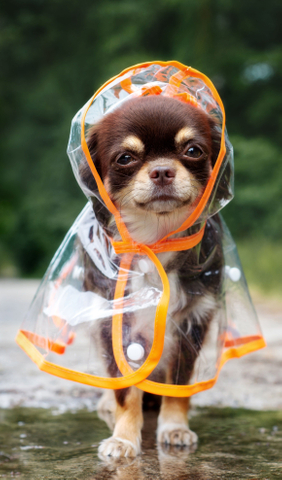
(163, 203)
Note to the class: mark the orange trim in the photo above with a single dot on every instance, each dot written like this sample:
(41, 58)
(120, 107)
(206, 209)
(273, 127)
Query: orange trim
(80, 377)
(128, 247)
(126, 85)
(154, 90)
(188, 390)
(244, 345)
(122, 382)
(171, 245)
(185, 97)
(178, 77)
(104, 194)
(229, 342)
(175, 80)
(157, 346)
(160, 319)
(45, 343)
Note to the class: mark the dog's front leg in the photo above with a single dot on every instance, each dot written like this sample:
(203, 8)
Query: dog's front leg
(173, 426)
(126, 438)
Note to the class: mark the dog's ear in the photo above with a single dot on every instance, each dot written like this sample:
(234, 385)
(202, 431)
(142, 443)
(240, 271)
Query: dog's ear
(223, 190)
(84, 170)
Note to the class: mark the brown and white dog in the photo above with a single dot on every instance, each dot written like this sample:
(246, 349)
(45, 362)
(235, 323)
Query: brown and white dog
(155, 155)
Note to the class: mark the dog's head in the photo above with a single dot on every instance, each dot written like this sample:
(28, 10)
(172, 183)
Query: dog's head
(154, 155)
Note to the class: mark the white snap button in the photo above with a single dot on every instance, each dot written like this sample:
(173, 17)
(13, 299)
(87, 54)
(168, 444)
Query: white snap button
(144, 265)
(135, 351)
(234, 274)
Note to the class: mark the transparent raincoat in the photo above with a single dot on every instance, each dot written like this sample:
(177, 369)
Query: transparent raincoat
(62, 330)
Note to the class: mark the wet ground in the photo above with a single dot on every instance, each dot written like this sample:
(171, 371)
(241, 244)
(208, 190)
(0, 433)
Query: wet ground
(234, 444)
(49, 428)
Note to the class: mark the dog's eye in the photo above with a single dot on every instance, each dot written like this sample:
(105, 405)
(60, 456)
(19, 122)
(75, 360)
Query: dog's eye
(193, 152)
(124, 159)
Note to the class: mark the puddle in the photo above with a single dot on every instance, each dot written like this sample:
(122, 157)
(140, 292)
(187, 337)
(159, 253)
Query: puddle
(234, 444)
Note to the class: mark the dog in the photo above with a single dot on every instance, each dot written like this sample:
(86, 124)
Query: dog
(155, 155)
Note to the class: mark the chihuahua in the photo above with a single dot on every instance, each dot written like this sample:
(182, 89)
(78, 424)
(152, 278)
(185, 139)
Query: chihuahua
(155, 155)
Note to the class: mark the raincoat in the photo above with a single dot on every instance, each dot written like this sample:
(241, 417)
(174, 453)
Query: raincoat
(59, 331)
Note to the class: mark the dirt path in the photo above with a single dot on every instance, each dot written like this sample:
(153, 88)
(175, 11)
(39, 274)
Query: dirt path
(254, 381)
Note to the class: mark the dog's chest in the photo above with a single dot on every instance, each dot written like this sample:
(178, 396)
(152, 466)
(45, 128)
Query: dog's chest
(184, 312)
(144, 319)
(148, 277)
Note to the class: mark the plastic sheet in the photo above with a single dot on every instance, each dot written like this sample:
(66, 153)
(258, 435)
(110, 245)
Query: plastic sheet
(107, 313)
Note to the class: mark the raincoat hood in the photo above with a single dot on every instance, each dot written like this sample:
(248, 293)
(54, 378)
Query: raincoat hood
(169, 79)
(60, 330)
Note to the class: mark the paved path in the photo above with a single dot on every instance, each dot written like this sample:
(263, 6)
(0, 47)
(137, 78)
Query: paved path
(254, 381)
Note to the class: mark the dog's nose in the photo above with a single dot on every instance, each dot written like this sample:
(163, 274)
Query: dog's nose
(162, 175)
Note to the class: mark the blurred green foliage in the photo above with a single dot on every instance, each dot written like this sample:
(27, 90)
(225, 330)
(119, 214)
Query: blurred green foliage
(54, 54)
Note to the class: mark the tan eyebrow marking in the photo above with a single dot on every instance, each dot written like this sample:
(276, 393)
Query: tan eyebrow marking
(133, 143)
(185, 134)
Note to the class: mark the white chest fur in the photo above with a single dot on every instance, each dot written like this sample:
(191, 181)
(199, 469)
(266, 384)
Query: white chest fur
(181, 306)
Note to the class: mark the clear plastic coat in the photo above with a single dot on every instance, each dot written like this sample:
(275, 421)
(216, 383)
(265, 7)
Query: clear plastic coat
(66, 320)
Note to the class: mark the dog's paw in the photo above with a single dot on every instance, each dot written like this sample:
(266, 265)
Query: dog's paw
(119, 447)
(176, 434)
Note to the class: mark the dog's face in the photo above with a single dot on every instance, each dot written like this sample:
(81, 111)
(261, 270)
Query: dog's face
(154, 155)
